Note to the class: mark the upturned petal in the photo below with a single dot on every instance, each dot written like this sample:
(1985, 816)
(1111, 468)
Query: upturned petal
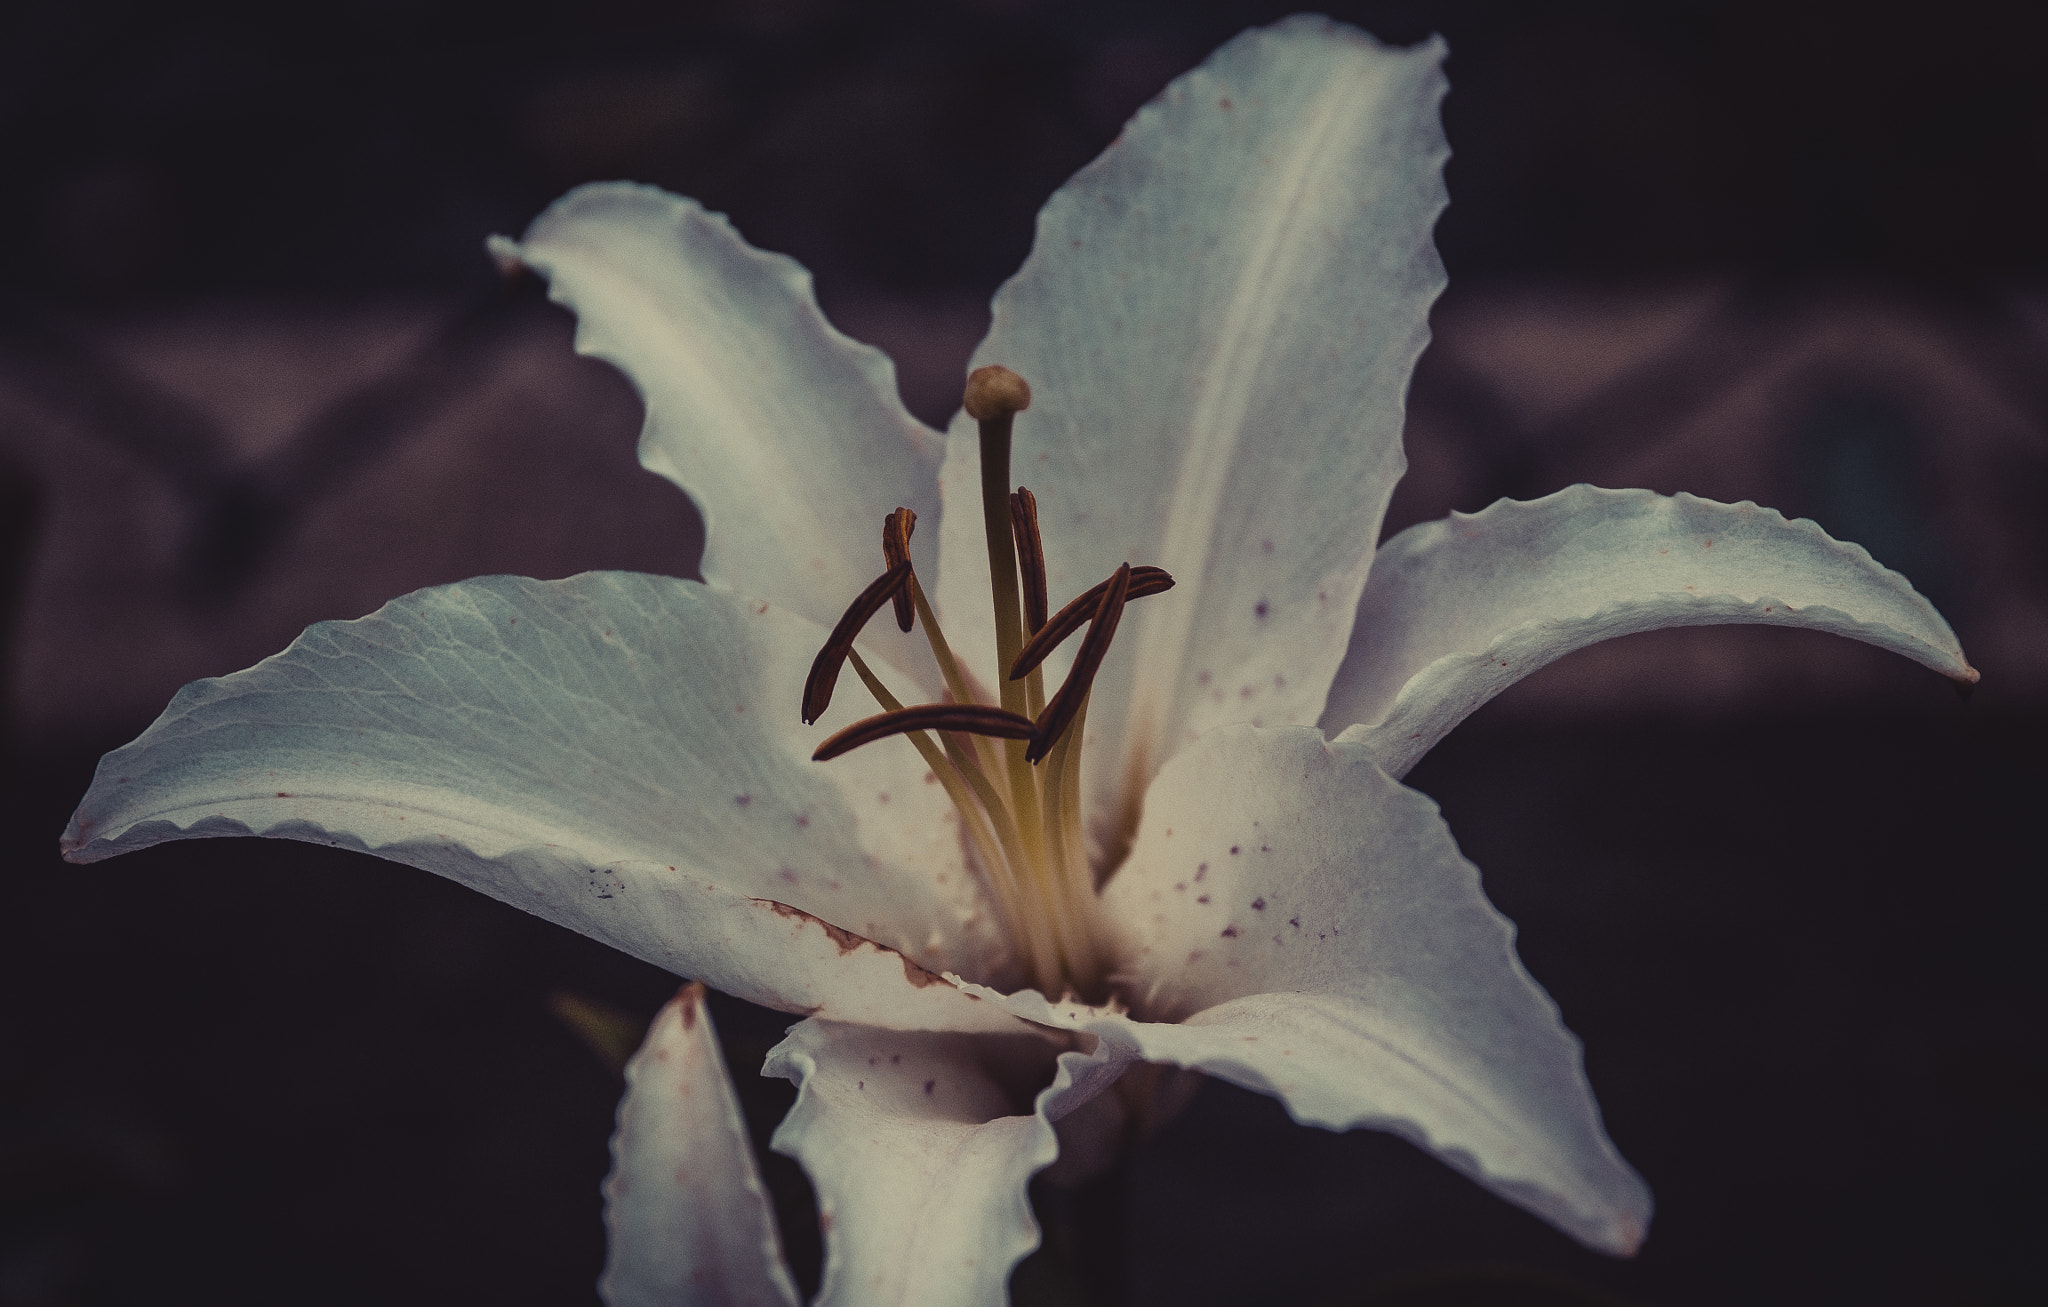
(1218, 320)
(618, 753)
(1311, 923)
(790, 437)
(686, 1216)
(920, 1147)
(1458, 610)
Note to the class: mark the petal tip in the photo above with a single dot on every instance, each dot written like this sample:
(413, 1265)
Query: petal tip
(506, 253)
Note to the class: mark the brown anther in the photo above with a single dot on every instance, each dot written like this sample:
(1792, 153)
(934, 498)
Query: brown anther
(825, 667)
(1059, 714)
(896, 529)
(1054, 633)
(1030, 557)
(995, 392)
(971, 718)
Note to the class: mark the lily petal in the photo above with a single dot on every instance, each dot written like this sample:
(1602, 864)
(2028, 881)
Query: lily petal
(1218, 320)
(1458, 610)
(1314, 922)
(687, 1217)
(618, 753)
(790, 437)
(920, 1147)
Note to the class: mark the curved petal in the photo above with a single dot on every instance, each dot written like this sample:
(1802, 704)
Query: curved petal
(1458, 610)
(686, 1216)
(619, 753)
(1314, 919)
(1218, 320)
(920, 1147)
(790, 437)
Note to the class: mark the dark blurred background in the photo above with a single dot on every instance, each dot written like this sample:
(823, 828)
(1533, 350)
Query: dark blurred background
(255, 371)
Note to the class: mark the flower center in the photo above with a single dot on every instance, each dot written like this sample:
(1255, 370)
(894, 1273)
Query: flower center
(1010, 762)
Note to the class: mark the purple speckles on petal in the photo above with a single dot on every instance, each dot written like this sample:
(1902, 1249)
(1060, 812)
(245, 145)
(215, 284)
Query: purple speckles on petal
(1230, 932)
(1201, 871)
(1233, 850)
(928, 1086)
(1258, 905)
(1203, 899)
(743, 799)
(1260, 609)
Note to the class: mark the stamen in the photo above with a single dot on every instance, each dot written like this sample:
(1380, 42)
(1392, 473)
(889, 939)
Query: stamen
(968, 718)
(1030, 556)
(825, 668)
(1058, 714)
(959, 775)
(896, 529)
(1144, 581)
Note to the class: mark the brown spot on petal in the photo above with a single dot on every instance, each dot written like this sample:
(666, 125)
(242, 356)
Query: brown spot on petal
(688, 999)
(845, 939)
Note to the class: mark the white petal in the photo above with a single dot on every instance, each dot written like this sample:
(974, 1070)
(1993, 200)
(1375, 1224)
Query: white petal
(687, 1219)
(1218, 320)
(790, 437)
(619, 753)
(920, 1147)
(1314, 922)
(1459, 610)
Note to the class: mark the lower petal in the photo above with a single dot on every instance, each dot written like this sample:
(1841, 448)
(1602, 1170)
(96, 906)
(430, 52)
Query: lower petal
(920, 1147)
(1312, 923)
(1456, 611)
(685, 1215)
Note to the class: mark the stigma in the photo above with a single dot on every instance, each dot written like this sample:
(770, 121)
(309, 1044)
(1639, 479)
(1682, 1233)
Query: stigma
(1008, 756)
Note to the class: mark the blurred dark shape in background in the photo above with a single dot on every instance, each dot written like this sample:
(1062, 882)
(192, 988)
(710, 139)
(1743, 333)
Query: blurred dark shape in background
(255, 371)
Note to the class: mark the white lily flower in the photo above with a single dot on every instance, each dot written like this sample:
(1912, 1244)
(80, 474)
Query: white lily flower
(1217, 324)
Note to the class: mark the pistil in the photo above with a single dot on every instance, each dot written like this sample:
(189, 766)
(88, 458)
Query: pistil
(995, 395)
